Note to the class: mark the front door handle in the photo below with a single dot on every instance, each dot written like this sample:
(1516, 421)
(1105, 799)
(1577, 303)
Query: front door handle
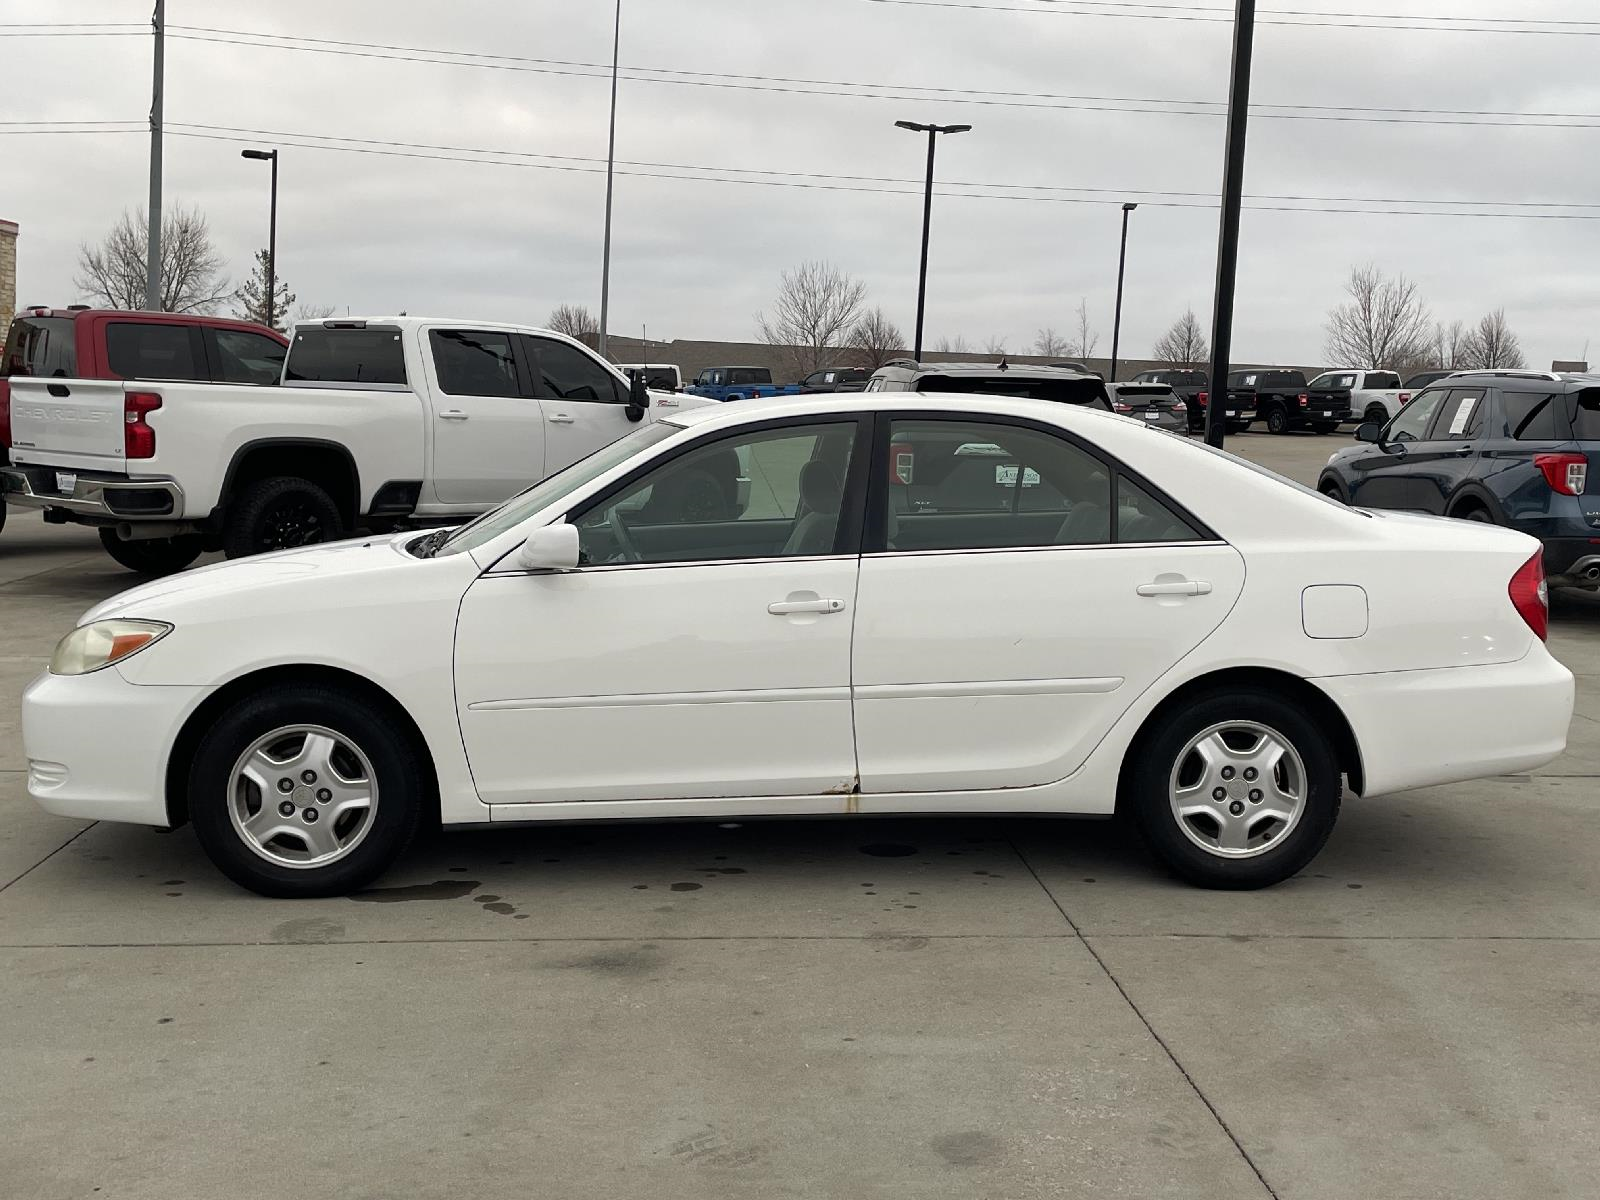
(1463, 451)
(1180, 587)
(561, 419)
(783, 608)
(452, 414)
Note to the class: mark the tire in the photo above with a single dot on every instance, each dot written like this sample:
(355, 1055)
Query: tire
(1375, 413)
(364, 752)
(153, 556)
(1238, 427)
(281, 513)
(1332, 491)
(1277, 420)
(1267, 851)
(1473, 513)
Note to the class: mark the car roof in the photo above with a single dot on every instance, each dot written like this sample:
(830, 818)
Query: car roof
(853, 403)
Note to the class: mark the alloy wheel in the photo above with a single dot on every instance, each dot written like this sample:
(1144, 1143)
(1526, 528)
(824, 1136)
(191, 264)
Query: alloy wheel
(1238, 789)
(302, 796)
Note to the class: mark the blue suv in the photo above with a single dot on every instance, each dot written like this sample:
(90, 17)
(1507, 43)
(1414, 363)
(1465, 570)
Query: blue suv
(1513, 448)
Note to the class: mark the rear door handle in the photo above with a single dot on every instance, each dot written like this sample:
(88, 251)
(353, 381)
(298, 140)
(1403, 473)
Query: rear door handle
(452, 414)
(1181, 587)
(561, 419)
(783, 608)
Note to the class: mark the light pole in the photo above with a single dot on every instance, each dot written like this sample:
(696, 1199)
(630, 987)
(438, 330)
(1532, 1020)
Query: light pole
(611, 162)
(272, 231)
(933, 132)
(1122, 266)
(1244, 25)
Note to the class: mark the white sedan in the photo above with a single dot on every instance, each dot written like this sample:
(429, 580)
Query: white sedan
(924, 604)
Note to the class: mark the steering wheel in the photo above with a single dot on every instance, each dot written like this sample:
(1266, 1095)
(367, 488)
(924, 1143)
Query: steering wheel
(621, 534)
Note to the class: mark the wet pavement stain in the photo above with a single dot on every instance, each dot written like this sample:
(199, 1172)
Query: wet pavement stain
(494, 904)
(888, 850)
(686, 887)
(440, 889)
(307, 929)
(966, 1149)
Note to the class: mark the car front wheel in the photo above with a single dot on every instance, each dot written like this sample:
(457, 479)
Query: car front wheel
(1238, 790)
(305, 791)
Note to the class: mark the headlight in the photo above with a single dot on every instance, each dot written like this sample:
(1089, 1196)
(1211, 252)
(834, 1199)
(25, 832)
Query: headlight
(101, 643)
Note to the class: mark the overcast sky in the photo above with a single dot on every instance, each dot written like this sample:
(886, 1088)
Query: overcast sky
(696, 259)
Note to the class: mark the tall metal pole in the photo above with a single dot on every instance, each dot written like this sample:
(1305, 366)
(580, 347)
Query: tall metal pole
(611, 162)
(1122, 266)
(1244, 22)
(927, 221)
(152, 256)
(272, 249)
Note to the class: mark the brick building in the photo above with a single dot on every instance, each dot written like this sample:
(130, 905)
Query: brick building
(8, 274)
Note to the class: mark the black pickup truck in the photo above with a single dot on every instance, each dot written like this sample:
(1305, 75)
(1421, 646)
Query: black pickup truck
(1277, 397)
(1189, 386)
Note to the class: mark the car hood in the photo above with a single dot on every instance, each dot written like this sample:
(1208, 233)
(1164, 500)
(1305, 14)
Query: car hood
(310, 566)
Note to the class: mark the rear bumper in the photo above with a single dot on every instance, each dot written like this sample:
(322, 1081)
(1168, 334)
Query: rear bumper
(93, 496)
(1422, 728)
(97, 745)
(1573, 561)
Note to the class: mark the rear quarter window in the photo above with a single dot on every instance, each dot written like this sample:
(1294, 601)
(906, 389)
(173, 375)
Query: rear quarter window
(346, 356)
(136, 350)
(1586, 415)
(1533, 416)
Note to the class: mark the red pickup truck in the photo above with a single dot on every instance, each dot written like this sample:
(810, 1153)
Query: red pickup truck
(86, 343)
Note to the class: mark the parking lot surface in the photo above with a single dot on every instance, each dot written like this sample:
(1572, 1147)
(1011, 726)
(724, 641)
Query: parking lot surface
(839, 1008)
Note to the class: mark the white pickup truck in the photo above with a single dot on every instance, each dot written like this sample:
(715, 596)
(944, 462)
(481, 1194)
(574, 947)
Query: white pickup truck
(373, 423)
(1372, 395)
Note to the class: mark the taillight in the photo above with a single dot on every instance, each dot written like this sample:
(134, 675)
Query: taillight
(901, 457)
(1405, 399)
(138, 439)
(1565, 473)
(1203, 397)
(1304, 399)
(1531, 595)
(1120, 407)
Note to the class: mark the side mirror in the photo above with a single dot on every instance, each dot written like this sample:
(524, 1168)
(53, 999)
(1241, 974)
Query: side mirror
(550, 548)
(638, 397)
(1369, 431)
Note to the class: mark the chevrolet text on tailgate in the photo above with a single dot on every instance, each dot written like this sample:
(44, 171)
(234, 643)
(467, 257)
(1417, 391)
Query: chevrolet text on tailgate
(371, 424)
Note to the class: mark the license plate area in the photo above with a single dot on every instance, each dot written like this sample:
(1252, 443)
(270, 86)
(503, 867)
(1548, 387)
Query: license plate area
(66, 482)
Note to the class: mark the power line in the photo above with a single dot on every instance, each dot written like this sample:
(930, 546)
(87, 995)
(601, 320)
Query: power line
(1224, 17)
(898, 92)
(1364, 16)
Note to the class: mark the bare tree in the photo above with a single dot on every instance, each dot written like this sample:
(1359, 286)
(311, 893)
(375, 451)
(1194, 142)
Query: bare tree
(1184, 343)
(817, 306)
(1493, 346)
(955, 345)
(876, 339)
(1082, 344)
(1451, 344)
(574, 320)
(310, 312)
(112, 274)
(1384, 326)
(1047, 343)
(995, 345)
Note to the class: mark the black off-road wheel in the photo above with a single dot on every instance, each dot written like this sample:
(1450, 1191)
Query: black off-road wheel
(153, 556)
(282, 513)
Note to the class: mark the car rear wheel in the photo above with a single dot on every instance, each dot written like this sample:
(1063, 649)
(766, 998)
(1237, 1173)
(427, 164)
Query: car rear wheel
(1474, 514)
(305, 791)
(1238, 789)
(153, 556)
(281, 513)
(1277, 421)
(1376, 413)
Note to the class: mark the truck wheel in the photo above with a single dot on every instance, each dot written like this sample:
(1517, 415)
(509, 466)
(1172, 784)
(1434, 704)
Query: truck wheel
(1277, 420)
(1236, 789)
(280, 514)
(305, 790)
(1376, 413)
(153, 556)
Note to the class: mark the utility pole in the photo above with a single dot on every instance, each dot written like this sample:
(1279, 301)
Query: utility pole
(1244, 22)
(1122, 266)
(611, 163)
(152, 258)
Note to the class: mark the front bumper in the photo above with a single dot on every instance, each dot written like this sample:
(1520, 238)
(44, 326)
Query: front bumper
(94, 497)
(1424, 728)
(97, 745)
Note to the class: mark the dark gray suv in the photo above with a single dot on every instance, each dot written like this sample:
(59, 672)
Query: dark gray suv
(1515, 448)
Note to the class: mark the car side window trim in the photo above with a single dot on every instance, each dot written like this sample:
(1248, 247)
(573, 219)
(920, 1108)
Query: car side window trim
(876, 532)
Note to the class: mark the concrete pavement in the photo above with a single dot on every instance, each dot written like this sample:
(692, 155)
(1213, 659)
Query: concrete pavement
(1002, 1008)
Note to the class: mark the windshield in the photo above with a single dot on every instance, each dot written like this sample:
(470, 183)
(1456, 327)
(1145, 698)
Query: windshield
(547, 492)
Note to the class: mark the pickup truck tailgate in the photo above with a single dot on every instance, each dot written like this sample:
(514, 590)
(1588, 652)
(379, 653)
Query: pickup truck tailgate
(68, 422)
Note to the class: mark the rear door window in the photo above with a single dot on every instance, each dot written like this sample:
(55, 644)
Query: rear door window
(140, 350)
(321, 355)
(245, 357)
(43, 346)
(1533, 416)
(1586, 416)
(470, 362)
